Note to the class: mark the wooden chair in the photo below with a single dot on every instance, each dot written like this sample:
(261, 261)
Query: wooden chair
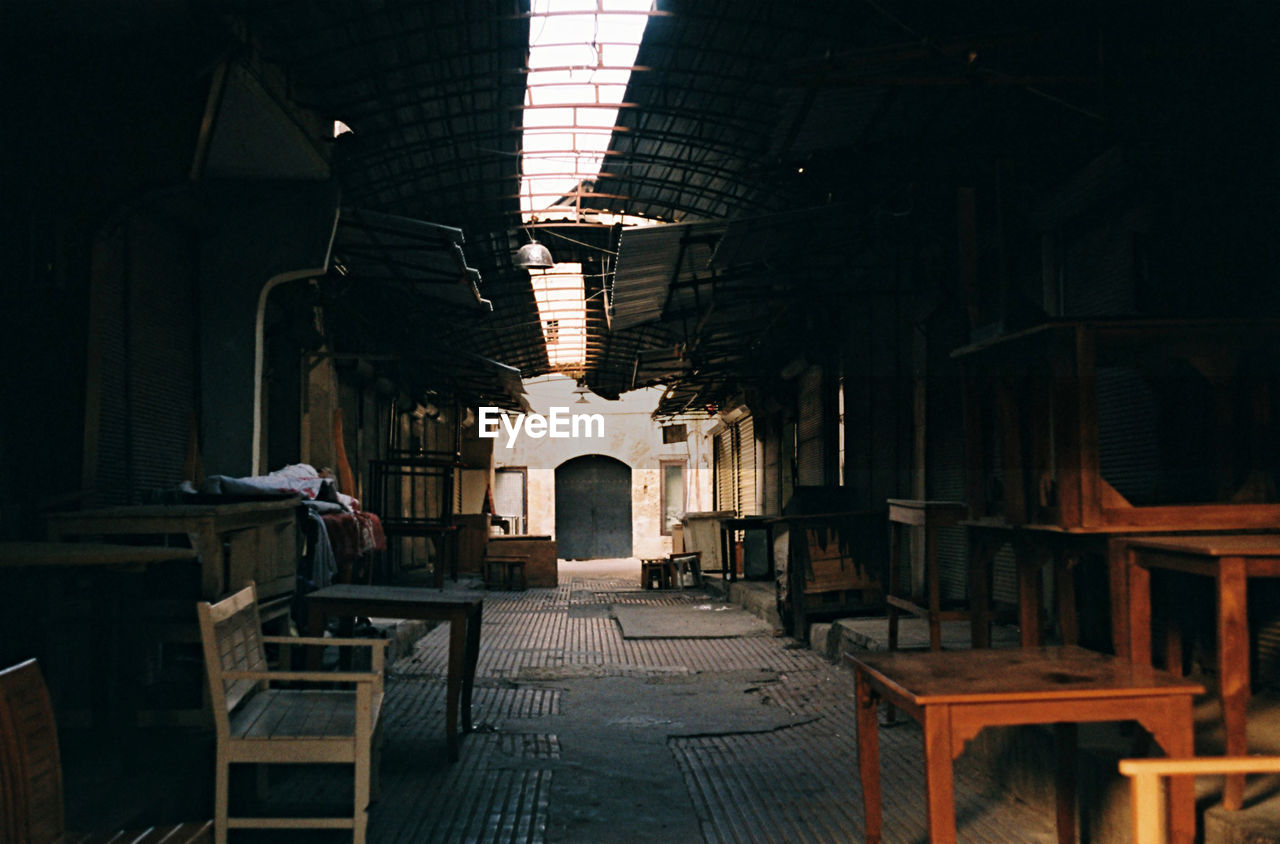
(31, 809)
(256, 723)
(1145, 776)
(685, 563)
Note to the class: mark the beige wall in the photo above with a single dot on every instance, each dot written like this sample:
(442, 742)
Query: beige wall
(630, 435)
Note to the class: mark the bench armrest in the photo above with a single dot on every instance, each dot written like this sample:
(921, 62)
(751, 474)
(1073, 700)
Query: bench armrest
(325, 640)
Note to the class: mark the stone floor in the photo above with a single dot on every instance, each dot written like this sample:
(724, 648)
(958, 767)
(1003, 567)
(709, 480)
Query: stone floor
(584, 736)
(587, 737)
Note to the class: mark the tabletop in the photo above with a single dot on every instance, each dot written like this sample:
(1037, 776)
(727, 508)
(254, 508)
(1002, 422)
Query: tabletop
(201, 507)
(1010, 674)
(926, 504)
(14, 554)
(395, 594)
(1221, 545)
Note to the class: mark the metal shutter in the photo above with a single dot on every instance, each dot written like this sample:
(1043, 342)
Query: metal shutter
(810, 452)
(945, 477)
(746, 441)
(147, 319)
(726, 468)
(772, 506)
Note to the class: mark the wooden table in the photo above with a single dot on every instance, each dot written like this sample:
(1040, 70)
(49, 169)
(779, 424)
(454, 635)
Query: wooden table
(50, 554)
(729, 527)
(463, 611)
(954, 696)
(1035, 545)
(118, 626)
(926, 517)
(1229, 561)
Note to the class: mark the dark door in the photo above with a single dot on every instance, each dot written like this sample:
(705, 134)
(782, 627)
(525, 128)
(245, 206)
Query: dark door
(593, 508)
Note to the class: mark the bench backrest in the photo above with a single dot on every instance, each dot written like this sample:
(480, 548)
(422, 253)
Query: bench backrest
(30, 768)
(232, 635)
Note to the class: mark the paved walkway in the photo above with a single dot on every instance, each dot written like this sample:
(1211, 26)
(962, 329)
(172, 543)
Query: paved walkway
(588, 737)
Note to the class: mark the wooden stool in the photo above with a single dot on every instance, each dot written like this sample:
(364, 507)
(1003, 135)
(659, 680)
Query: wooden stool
(655, 574)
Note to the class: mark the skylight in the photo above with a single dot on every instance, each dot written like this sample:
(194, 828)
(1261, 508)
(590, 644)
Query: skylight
(581, 54)
(562, 308)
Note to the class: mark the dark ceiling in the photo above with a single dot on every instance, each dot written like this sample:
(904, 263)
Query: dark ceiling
(810, 140)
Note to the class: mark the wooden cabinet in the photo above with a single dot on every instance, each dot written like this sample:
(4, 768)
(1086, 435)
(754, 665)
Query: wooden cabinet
(236, 543)
(1125, 423)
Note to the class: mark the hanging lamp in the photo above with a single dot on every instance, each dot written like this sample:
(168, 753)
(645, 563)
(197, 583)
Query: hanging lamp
(534, 256)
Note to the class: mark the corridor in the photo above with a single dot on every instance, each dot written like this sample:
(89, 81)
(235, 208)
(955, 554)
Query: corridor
(586, 736)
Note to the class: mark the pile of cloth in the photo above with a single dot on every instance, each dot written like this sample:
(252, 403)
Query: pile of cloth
(343, 533)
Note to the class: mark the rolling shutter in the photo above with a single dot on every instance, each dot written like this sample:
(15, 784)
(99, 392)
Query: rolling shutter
(745, 438)
(145, 316)
(726, 471)
(810, 451)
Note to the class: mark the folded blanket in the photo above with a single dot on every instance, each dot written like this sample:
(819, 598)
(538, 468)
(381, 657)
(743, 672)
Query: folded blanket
(298, 478)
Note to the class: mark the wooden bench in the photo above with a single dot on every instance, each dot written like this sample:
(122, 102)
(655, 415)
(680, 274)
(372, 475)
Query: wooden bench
(256, 723)
(1145, 776)
(31, 807)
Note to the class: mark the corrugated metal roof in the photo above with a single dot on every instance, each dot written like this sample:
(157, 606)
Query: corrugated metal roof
(737, 110)
(374, 247)
(650, 260)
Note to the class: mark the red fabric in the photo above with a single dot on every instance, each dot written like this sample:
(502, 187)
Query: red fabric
(371, 534)
(354, 534)
(344, 536)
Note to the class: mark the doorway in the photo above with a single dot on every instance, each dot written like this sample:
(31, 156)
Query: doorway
(593, 508)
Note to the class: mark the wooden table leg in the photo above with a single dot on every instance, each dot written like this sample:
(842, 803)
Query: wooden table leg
(472, 657)
(1066, 733)
(1233, 667)
(981, 559)
(934, 580)
(869, 759)
(1138, 611)
(315, 627)
(1173, 728)
(1028, 565)
(1118, 585)
(895, 537)
(453, 692)
(939, 782)
(1064, 579)
(1171, 606)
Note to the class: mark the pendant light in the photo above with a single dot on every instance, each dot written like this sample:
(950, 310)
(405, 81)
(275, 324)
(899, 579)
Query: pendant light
(534, 256)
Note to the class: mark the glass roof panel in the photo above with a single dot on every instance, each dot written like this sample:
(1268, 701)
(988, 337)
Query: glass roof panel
(587, 48)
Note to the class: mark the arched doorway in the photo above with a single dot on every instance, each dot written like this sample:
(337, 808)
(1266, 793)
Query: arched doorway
(593, 508)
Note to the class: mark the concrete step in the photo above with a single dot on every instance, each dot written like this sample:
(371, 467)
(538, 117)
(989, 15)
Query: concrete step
(756, 596)
(872, 634)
